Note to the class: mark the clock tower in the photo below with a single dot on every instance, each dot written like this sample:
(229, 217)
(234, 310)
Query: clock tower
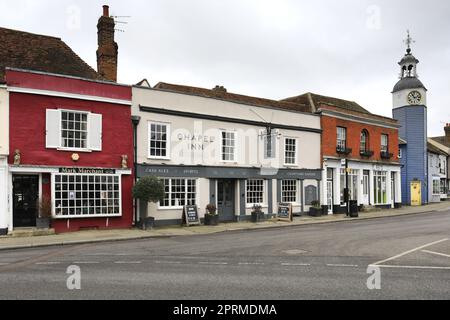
(409, 108)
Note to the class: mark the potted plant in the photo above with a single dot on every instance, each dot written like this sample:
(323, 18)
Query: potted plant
(148, 189)
(211, 216)
(257, 213)
(316, 209)
(43, 220)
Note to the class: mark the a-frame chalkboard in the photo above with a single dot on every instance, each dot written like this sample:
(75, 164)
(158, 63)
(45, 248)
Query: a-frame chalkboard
(285, 212)
(190, 216)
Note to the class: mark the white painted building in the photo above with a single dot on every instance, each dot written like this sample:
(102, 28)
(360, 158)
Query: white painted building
(4, 151)
(212, 147)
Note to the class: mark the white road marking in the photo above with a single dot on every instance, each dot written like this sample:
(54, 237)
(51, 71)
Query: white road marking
(295, 264)
(4, 263)
(343, 265)
(214, 263)
(128, 262)
(410, 267)
(86, 262)
(47, 263)
(167, 262)
(251, 264)
(437, 253)
(124, 254)
(409, 252)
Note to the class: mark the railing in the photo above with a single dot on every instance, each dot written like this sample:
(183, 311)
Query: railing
(342, 150)
(366, 153)
(386, 155)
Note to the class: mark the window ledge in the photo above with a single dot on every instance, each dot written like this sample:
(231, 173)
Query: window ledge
(75, 150)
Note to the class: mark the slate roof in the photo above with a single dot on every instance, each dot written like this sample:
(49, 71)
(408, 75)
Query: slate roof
(313, 101)
(433, 149)
(23, 50)
(222, 94)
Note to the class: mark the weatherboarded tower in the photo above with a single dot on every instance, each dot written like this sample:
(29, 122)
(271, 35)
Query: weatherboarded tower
(410, 109)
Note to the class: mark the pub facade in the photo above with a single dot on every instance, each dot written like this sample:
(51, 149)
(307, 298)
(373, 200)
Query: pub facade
(72, 152)
(235, 152)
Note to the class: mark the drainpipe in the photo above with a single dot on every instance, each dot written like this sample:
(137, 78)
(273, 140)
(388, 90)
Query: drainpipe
(135, 120)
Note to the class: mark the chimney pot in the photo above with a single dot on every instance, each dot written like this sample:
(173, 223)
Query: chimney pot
(106, 11)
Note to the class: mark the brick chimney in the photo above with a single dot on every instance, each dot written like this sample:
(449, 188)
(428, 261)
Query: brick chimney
(107, 48)
(447, 133)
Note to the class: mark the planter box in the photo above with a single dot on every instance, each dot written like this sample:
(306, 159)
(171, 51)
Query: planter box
(4, 232)
(315, 212)
(43, 223)
(146, 223)
(257, 217)
(211, 220)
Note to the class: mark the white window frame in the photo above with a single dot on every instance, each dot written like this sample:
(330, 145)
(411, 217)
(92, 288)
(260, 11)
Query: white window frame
(87, 216)
(234, 147)
(339, 132)
(295, 164)
(297, 191)
(170, 207)
(168, 140)
(378, 174)
(383, 146)
(264, 198)
(436, 185)
(60, 146)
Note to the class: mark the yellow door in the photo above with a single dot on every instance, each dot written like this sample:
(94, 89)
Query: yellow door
(416, 193)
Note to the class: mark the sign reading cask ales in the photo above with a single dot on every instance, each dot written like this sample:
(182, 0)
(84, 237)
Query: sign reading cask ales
(190, 216)
(285, 212)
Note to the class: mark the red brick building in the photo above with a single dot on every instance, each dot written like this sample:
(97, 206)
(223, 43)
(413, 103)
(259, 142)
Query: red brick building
(360, 154)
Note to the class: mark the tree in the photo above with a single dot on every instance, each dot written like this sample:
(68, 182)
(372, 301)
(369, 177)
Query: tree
(149, 189)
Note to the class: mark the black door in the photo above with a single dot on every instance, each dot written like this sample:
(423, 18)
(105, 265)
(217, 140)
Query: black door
(25, 200)
(225, 200)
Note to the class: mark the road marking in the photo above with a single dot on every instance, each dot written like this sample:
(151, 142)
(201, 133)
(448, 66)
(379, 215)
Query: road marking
(47, 263)
(409, 252)
(86, 262)
(410, 267)
(251, 264)
(295, 264)
(124, 254)
(214, 263)
(3, 264)
(343, 265)
(167, 262)
(437, 253)
(128, 262)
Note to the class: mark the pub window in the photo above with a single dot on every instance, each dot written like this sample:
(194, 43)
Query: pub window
(255, 192)
(384, 143)
(228, 146)
(341, 138)
(364, 146)
(436, 186)
(78, 196)
(290, 147)
(159, 136)
(179, 193)
(289, 191)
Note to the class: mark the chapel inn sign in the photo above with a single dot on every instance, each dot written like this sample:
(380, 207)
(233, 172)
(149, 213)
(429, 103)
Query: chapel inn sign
(196, 141)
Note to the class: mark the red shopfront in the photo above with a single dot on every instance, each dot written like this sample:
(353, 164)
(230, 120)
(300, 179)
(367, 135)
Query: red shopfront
(72, 145)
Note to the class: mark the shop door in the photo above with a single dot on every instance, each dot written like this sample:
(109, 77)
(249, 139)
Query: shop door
(366, 189)
(393, 190)
(25, 200)
(225, 200)
(330, 196)
(416, 193)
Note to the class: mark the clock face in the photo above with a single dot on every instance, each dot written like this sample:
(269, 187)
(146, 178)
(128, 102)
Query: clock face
(414, 97)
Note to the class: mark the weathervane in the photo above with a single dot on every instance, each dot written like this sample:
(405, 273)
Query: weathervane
(409, 41)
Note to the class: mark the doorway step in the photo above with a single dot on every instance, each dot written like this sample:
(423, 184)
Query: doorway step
(31, 232)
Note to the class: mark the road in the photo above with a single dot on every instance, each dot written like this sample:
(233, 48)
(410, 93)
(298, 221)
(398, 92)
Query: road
(328, 261)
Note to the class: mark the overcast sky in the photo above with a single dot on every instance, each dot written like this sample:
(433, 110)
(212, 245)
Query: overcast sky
(268, 48)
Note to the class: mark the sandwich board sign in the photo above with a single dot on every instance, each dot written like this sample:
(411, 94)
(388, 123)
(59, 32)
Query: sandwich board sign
(190, 216)
(285, 212)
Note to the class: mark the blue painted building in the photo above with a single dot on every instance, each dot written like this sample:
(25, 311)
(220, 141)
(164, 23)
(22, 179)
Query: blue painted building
(410, 109)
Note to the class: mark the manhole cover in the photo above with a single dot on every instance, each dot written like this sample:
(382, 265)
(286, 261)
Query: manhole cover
(295, 252)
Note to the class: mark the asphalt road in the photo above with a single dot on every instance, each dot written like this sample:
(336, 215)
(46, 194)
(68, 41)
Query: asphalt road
(327, 261)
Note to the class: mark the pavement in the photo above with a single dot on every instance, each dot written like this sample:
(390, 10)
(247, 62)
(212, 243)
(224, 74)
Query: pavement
(96, 236)
(409, 253)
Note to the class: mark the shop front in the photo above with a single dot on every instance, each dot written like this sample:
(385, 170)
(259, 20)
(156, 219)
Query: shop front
(234, 191)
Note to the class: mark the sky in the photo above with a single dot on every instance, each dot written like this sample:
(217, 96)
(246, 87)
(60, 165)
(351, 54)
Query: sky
(267, 48)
